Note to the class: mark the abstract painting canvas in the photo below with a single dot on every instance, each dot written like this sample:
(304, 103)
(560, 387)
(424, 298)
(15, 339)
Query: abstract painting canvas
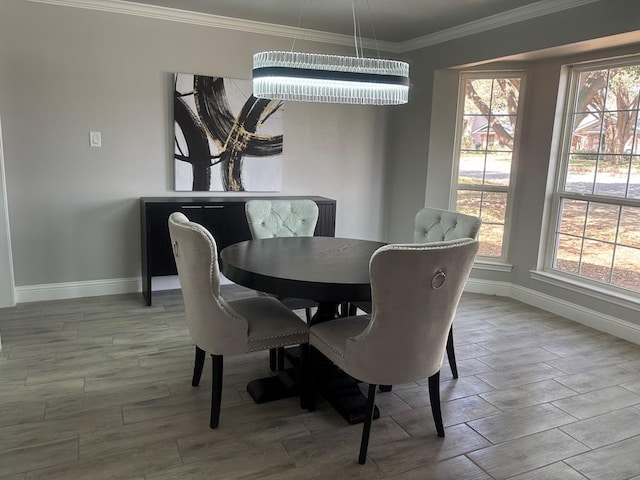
(225, 138)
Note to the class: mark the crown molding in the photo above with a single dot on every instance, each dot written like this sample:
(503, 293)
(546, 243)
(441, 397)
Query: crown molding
(217, 21)
(520, 14)
(538, 9)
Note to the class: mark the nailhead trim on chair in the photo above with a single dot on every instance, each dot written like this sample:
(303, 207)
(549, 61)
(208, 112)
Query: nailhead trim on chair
(277, 345)
(279, 336)
(427, 246)
(330, 347)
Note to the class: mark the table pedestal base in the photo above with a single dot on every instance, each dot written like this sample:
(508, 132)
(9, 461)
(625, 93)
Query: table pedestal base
(339, 389)
(342, 392)
(326, 311)
(277, 387)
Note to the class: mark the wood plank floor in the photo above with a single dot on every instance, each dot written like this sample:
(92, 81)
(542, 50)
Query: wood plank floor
(99, 388)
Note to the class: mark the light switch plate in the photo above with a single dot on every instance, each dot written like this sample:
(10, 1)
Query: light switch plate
(95, 139)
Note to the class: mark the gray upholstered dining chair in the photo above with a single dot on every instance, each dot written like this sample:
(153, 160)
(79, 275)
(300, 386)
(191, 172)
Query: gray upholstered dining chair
(436, 225)
(415, 292)
(283, 218)
(222, 327)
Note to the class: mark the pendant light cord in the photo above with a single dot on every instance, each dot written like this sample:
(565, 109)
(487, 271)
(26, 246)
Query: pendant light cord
(357, 30)
(373, 30)
(300, 17)
(355, 27)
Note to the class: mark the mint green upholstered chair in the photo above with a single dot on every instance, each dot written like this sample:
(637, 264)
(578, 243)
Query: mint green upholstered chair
(283, 218)
(222, 327)
(435, 225)
(415, 290)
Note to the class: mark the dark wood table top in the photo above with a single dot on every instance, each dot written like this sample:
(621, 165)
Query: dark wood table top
(326, 269)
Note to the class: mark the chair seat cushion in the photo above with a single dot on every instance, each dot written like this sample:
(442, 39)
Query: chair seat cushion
(330, 337)
(270, 323)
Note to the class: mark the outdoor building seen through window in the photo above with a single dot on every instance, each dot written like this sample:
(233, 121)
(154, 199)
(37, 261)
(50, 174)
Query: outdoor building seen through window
(487, 144)
(596, 230)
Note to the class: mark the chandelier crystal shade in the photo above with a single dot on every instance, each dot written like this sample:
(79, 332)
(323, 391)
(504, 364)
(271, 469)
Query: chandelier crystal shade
(313, 77)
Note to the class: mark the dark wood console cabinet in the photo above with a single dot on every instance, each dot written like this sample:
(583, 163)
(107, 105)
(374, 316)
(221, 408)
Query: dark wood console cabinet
(224, 217)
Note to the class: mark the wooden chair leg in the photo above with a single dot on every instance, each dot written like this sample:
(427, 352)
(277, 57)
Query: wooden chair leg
(310, 380)
(280, 358)
(434, 397)
(366, 429)
(273, 359)
(199, 365)
(451, 354)
(216, 390)
(304, 376)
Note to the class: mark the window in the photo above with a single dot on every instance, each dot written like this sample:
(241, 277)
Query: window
(487, 141)
(596, 231)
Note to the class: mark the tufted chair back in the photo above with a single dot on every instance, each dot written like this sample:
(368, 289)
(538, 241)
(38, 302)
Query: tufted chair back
(435, 225)
(281, 218)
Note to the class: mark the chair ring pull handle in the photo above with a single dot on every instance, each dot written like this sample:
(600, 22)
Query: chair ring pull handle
(438, 280)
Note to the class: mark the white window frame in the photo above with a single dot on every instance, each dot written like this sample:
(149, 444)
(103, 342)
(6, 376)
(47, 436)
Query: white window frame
(602, 290)
(493, 74)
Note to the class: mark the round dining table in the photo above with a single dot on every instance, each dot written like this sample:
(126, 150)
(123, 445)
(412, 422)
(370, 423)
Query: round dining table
(328, 270)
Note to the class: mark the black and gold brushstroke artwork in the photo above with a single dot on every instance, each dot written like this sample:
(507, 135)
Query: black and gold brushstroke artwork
(225, 138)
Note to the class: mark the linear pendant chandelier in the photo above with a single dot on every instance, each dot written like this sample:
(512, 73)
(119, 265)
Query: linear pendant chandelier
(315, 77)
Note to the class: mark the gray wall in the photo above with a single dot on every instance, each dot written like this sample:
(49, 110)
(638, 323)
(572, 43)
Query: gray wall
(426, 159)
(73, 209)
(6, 262)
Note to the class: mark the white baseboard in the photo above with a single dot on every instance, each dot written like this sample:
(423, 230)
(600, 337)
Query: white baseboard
(605, 323)
(488, 287)
(600, 321)
(170, 282)
(92, 288)
(95, 288)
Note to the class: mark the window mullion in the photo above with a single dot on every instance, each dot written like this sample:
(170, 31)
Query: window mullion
(625, 202)
(483, 188)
